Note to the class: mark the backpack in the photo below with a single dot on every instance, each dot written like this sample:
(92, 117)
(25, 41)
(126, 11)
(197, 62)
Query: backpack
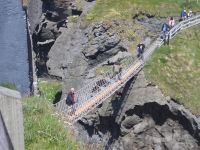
(69, 99)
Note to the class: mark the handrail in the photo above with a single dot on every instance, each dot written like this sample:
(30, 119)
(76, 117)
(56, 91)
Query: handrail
(98, 86)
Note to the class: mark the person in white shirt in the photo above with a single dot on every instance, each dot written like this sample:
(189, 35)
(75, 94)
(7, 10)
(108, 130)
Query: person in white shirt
(171, 22)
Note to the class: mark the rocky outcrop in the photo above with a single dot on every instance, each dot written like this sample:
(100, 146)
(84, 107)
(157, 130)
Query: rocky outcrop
(84, 49)
(101, 44)
(34, 13)
(140, 117)
(60, 8)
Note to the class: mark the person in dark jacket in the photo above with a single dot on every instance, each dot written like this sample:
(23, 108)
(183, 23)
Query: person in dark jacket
(140, 50)
(165, 28)
(183, 14)
(70, 100)
(165, 33)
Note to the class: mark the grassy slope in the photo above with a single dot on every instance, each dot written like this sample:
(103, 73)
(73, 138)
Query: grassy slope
(115, 9)
(176, 69)
(48, 89)
(8, 85)
(45, 131)
(42, 128)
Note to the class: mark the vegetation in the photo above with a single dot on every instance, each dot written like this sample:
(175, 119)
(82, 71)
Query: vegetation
(45, 130)
(8, 85)
(48, 89)
(176, 69)
(115, 9)
(73, 19)
(42, 128)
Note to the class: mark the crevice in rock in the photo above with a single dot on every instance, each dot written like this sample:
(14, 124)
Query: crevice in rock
(142, 120)
(160, 114)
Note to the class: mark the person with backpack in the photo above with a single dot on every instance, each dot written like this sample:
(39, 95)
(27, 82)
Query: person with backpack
(165, 32)
(70, 100)
(183, 14)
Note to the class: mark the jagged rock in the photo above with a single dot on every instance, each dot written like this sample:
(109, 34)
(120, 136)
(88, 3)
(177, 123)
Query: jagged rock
(45, 42)
(130, 121)
(143, 126)
(147, 122)
(101, 44)
(46, 34)
(119, 56)
(63, 8)
(52, 15)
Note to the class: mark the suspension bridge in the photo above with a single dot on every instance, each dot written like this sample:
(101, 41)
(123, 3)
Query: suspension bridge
(101, 88)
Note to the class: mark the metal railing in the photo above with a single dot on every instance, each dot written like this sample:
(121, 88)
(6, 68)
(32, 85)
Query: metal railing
(95, 92)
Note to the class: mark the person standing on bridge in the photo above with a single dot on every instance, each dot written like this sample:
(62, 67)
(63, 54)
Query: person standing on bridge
(70, 100)
(140, 50)
(190, 14)
(165, 33)
(171, 22)
(183, 14)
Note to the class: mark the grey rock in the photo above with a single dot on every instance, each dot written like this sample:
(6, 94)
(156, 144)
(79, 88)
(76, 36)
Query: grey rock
(119, 56)
(46, 34)
(149, 121)
(130, 121)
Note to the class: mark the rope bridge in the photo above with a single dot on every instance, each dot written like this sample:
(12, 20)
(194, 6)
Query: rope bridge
(101, 88)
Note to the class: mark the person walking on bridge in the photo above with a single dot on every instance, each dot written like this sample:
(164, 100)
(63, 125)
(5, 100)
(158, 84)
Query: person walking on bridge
(140, 50)
(70, 100)
(171, 22)
(165, 33)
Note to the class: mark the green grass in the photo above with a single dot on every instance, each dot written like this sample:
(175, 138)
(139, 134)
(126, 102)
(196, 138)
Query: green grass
(73, 19)
(115, 9)
(48, 89)
(45, 131)
(176, 69)
(104, 69)
(42, 128)
(8, 85)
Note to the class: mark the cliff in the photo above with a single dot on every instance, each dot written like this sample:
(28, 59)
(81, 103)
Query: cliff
(75, 51)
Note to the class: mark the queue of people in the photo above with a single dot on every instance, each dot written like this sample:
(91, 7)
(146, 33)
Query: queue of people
(171, 23)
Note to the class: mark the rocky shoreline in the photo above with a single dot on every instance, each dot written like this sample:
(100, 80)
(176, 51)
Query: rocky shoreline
(138, 116)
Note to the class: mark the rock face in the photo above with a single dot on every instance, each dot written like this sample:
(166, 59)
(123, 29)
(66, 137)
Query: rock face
(84, 49)
(60, 9)
(101, 44)
(34, 13)
(140, 117)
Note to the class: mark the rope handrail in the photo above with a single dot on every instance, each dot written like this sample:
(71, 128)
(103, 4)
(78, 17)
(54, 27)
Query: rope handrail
(95, 93)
